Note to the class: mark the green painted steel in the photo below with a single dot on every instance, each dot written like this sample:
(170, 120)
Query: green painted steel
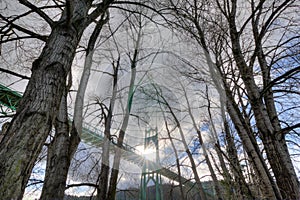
(148, 173)
(95, 137)
(8, 99)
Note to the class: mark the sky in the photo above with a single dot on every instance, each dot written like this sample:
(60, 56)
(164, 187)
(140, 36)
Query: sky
(156, 66)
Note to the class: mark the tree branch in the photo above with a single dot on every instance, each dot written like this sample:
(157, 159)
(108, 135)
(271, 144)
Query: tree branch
(14, 73)
(69, 8)
(81, 184)
(100, 10)
(289, 128)
(281, 79)
(26, 31)
(38, 11)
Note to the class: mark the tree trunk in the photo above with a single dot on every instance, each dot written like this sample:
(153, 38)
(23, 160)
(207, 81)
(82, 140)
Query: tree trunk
(3, 130)
(282, 167)
(117, 159)
(193, 166)
(269, 188)
(182, 196)
(39, 105)
(111, 195)
(244, 131)
(188, 152)
(275, 144)
(104, 173)
(207, 159)
(64, 146)
(239, 184)
(60, 153)
(273, 140)
(116, 163)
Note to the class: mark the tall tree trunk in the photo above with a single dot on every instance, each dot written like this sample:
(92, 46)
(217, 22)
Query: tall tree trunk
(193, 165)
(111, 194)
(275, 143)
(282, 167)
(37, 109)
(182, 196)
(186, 147)
(244, 131)
(207, 159)
(269, 128)
(36, 113)
(65, 143)
(239, 183)
(104, 173)
(60, 153)
(117, 159)
(268, 185)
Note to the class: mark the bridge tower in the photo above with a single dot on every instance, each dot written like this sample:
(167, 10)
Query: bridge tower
(151, 173)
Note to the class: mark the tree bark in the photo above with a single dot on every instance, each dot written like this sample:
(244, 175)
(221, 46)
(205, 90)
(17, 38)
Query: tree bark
(104, 173)
(239, 183)
(217, 188)
(60, 153)
(265, 114)
(39, 105)
(188, 152)
(269, 188)
(3, 130)
(65, 143)
(244, 131)
(182, 196)
(117, 159)
(266, 119)
(275, 143)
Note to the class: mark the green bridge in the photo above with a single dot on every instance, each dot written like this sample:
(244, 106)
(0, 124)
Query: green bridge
(95, 137)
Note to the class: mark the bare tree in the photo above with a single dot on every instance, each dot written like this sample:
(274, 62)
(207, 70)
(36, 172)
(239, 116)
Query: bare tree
(239, 182)
(233, 31)
(40, 103)
(203, 146)
(104, 173)
(161, 99)
(66, 140)
(117, 158)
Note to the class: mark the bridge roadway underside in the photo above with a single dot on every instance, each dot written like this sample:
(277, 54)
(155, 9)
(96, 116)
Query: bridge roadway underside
(95, 138)
(132, 155)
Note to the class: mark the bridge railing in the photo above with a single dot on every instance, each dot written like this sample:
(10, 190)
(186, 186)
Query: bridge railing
(9, 99)
(97, 134)
(94, 136)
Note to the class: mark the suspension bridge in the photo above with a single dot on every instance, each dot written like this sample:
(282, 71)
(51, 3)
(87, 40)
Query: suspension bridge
(94, 137)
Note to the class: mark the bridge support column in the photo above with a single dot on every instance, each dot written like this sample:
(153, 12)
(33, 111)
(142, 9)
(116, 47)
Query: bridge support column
(149, 173)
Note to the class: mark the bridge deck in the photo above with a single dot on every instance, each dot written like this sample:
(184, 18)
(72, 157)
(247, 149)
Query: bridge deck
(94, 137)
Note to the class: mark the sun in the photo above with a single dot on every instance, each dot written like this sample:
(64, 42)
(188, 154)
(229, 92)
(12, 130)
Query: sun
(144, 151)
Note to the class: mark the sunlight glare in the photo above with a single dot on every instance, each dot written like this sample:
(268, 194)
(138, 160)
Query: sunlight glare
(146, 151)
